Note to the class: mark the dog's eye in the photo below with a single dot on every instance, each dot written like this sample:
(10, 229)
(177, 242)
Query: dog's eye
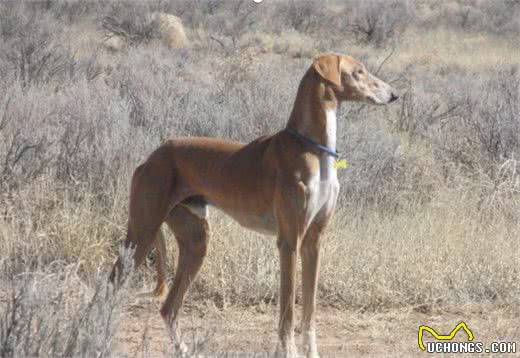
(360, 72)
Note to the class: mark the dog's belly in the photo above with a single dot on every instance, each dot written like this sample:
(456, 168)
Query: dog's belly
(263, 223)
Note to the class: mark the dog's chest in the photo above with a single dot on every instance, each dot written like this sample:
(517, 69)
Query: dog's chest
(322, 189)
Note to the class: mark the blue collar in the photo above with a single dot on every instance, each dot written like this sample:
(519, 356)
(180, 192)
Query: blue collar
(309, 141)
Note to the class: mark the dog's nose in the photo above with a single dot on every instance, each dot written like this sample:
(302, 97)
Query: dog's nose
(393, 97)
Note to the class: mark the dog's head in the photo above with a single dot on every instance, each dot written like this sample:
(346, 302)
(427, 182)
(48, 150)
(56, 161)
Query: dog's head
(351, 80)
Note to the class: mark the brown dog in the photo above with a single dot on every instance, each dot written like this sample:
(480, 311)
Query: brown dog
(283, 185)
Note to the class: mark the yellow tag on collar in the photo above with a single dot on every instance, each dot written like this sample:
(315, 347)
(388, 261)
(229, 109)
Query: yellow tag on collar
(340, 164)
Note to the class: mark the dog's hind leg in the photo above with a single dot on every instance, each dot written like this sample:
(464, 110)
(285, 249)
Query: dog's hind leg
(192, 232)
(152, 196)
(160, 265)
(161, 287)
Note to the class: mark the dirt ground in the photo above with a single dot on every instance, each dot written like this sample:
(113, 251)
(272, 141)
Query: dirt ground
(251, 332)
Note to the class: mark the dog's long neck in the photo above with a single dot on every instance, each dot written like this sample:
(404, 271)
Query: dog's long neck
(314, 112)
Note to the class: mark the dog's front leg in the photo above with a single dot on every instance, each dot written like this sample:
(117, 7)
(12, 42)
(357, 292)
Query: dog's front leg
(291, 212)
(288, 257)
(310, 253)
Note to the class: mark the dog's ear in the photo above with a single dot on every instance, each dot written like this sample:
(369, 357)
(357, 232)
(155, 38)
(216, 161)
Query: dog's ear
(328, 66)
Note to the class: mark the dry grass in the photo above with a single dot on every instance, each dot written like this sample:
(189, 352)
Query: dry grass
(469, 51)
(428, 214)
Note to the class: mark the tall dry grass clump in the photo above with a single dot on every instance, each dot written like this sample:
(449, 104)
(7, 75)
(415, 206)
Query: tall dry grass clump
(50, 311)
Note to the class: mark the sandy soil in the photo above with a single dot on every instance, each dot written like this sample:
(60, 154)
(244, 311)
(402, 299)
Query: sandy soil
(250, 332)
